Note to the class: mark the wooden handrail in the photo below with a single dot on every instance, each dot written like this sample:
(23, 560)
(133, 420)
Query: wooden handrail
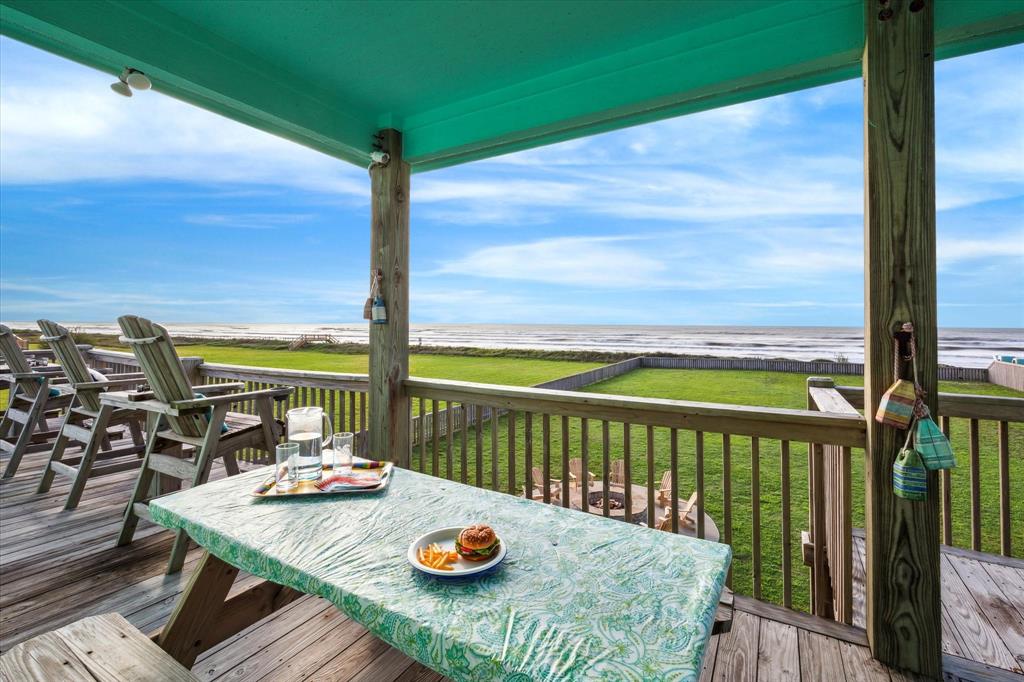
(962, 405)
(767, 422)
(292, 377)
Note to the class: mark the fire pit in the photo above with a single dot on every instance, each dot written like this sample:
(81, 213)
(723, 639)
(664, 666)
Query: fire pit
(617, 504)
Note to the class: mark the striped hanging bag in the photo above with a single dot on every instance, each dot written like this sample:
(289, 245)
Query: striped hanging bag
(909, 477)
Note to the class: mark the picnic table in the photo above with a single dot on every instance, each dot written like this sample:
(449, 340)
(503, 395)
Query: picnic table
(578, 596)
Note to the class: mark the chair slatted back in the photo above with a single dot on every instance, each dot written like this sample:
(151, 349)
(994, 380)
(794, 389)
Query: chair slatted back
(164, 372)
(62, 343)
(618, 472)
(580, 476)
(15, 358)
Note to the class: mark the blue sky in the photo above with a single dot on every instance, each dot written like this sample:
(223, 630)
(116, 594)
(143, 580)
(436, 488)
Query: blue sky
(745, 215)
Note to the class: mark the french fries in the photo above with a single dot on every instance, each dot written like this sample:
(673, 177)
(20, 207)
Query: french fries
(435, 557)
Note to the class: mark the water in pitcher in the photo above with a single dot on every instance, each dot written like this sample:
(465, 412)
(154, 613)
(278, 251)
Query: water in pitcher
(305, 426)
(310, 459)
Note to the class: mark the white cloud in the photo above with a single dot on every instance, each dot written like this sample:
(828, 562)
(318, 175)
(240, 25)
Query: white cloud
(953, 250)
(249, 221)
(578, 261)
(61, 123)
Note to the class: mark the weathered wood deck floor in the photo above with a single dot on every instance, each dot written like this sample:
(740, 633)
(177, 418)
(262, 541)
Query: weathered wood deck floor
(982, 605)
(57, 567)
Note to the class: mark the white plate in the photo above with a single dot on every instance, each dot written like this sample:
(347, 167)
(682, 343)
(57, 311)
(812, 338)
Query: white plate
(445, 537)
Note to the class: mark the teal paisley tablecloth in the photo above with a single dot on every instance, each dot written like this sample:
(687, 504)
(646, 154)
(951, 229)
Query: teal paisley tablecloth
(579, 597)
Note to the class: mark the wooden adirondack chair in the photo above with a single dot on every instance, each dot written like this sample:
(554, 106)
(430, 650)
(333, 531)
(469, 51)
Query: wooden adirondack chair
(87, 421)
(34, 394)
(538, 486)
(576, 473)
(617, 475)
(183, 419)
(687, 511)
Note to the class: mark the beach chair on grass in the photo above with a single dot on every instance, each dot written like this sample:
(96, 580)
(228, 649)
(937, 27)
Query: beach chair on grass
(87, 421)
(34, 394)
(189, 416)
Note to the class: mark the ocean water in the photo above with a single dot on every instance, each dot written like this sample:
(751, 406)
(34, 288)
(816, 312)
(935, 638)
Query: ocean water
(960, 347)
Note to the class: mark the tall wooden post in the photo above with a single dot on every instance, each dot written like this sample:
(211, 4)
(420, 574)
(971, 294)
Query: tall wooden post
(389, 343)
(903, 587)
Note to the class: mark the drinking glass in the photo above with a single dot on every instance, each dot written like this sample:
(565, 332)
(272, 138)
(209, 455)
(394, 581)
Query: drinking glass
(342, 447)
(287, 472)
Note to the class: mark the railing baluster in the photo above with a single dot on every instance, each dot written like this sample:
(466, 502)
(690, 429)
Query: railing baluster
(673, 466)
(627, 483)
(755, 512)
(1004, 488)
(787, 540)
(975, 487)
(494, 448)
(479, 433)
(946, 493)
(546, 453)
(727, 496)
(334, 417)
(565, 462)
(511, 452)
(449, 445)
(422, 433)
(464, 437)
(699, 448)
(362, 412)
(434, 437)
(651, 521)
(605, 468)
(528, 457)
(584, 464)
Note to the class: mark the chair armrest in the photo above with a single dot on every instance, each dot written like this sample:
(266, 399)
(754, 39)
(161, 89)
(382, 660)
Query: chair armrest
(130, 375)
(26, 375)
(210, 401)
(219, 389)
(110, 383)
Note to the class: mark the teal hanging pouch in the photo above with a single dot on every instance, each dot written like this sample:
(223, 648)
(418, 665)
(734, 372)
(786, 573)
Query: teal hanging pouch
(932, 445)
(909, 477)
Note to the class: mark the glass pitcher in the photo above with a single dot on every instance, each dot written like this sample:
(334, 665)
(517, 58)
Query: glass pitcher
(305, 426)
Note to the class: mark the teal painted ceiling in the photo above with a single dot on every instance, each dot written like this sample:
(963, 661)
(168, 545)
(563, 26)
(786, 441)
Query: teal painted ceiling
(466, 80)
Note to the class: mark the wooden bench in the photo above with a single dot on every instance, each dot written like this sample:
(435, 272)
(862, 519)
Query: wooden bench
(106, 648)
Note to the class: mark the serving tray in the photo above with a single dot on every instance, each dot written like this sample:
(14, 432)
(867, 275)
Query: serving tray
(269, 489)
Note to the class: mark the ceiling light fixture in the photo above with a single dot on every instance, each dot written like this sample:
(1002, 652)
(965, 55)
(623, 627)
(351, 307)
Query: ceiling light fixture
(130, 79)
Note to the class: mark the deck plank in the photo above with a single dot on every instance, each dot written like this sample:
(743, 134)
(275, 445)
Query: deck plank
(1006, 621)
(820, 658)
(737, 650)
(777, 652)
(979, 641)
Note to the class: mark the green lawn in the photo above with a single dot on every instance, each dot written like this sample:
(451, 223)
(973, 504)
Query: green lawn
(510, 371)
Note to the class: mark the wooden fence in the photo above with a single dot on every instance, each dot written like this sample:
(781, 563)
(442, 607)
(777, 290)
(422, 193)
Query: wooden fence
(815, 367)
(1006, 374)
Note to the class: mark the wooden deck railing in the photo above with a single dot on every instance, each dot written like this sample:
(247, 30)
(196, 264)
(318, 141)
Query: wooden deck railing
(737, 459)
(831, 511)
(971, 412)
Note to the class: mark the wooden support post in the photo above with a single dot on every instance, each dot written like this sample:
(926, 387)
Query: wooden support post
(389, 343)
(903, 585)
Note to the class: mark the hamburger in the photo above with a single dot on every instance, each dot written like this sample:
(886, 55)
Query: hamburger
(477, 543)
